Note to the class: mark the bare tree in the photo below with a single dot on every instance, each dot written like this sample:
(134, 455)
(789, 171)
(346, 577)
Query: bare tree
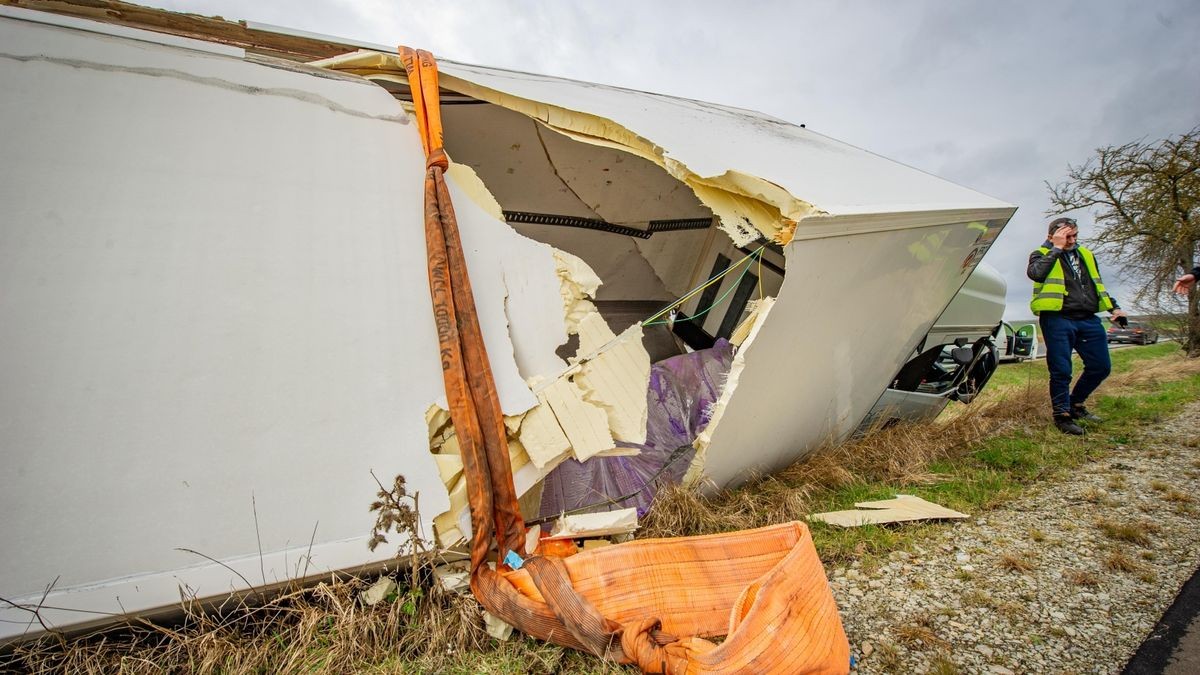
(1146, 201)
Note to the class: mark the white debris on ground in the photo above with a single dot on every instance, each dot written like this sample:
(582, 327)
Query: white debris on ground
(1069, 578)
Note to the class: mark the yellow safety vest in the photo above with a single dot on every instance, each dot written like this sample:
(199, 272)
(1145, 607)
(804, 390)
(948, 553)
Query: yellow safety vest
(1048, 295)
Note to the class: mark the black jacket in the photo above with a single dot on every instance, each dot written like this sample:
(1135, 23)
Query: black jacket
(1081, 300)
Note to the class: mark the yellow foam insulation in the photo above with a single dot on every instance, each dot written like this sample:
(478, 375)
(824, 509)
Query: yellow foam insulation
(585, 425)
(465, 178)
(578, 283)
(594, 335)
(446, 524)
(437, 418)
(543, 437)
(616, 379)
(450, 466)
(747, 206)
(603, 524)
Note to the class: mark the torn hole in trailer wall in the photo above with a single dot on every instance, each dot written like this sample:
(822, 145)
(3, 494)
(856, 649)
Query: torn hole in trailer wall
(590, 434)
(631, 231)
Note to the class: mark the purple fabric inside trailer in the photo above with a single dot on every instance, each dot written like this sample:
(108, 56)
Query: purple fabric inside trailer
(679, 401)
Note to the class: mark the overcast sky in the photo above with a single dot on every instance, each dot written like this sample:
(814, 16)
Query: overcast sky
(997, 96)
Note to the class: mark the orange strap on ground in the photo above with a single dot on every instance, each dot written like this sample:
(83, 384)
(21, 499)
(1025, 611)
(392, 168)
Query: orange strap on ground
(765, 589)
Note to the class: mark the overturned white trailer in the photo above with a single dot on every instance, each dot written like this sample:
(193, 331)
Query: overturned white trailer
(214, 311)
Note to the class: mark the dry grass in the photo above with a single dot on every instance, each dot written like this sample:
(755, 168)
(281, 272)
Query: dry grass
(1013, 610)
(324, 628)
(1016, 562)
(1150, 371)
(978, 598)
(942, 664)
(1097, 495)
(1118, 561)
(889, 657)
(1176, 496)
(1083, 578)
(918, 634)
(899, 454)
(1134, 533)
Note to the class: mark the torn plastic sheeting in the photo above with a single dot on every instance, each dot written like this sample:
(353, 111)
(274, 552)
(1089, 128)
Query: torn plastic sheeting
(679, 400)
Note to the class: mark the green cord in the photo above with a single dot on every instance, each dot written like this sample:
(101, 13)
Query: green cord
(718, 300)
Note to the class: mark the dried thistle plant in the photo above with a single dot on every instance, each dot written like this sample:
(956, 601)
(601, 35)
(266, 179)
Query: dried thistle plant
(395, 511)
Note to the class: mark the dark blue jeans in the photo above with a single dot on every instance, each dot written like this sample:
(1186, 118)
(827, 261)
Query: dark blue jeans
(1085, 336)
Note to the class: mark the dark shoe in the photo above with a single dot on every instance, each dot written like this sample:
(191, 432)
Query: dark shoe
(1082, 414)
(1067, 425)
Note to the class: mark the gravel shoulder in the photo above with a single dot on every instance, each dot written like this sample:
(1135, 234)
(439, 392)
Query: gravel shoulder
(1070, 577)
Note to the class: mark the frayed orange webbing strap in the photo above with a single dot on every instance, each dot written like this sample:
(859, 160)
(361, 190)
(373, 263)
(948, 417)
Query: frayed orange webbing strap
(477, 418)
(474, 404)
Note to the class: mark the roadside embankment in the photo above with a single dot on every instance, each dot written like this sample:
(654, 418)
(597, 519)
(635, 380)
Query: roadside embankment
(1070, 577)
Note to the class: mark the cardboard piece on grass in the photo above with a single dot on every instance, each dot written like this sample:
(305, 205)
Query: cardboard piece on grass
(379, 591)
(601, 524)
(454, 577)
(901, 509)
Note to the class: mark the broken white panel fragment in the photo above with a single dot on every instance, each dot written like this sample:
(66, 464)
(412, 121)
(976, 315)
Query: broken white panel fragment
(542, 436)
(616, 379)
(378, 592)
(585, 425)
(754, 323)
(512, 281)
(901, 509)
(453, 526)
(450, 466)
(603, 524)
(454, 577)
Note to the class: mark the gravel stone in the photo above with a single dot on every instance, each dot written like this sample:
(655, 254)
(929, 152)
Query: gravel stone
(1072, 611)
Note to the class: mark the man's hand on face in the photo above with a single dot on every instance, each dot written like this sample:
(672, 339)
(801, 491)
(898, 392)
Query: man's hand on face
(1064, 237)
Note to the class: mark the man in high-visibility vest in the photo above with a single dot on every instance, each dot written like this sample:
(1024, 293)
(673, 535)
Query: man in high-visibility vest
(1067, 293)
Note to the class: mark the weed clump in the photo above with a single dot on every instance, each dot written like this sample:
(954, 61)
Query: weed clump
(1016, 562)
(1133, 533)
